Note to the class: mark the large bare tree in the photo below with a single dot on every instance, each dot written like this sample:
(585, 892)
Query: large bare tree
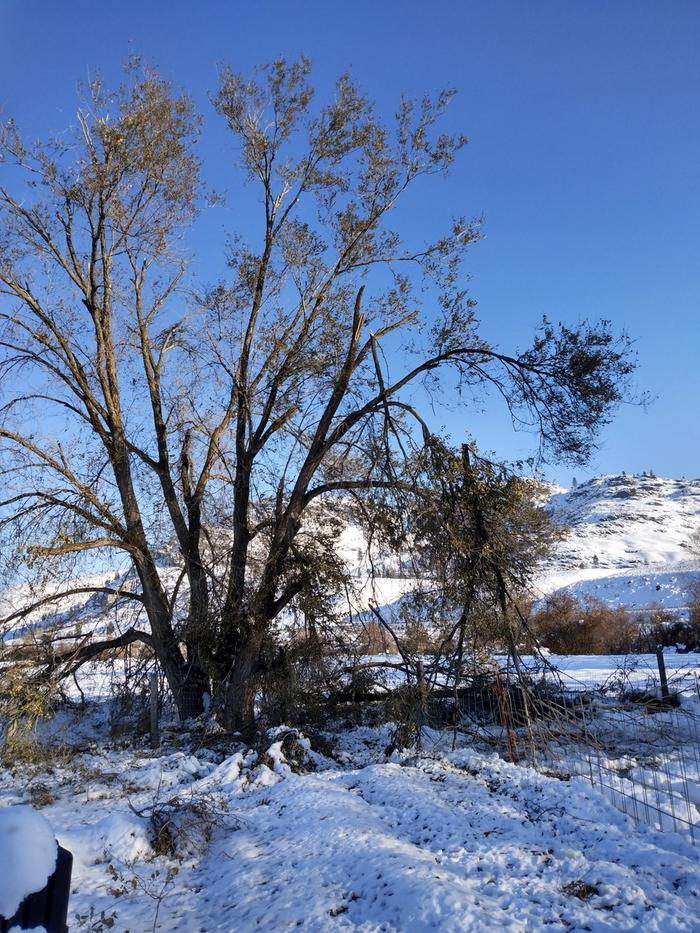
(144, 412)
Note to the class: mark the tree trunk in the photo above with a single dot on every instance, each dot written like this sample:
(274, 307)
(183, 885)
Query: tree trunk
(189, 698)
(238, 713)
(185, 678)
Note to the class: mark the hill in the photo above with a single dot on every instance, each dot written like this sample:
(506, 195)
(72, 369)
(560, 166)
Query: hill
(626, 541)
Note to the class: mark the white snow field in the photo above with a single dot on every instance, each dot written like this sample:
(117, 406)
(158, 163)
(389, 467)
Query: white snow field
(432, 840)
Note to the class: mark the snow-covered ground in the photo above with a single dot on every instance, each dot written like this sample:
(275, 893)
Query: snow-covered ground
(641, 590)
(595, 671)
(432, 840)
(436, 838)
(627, 520)
(208, 835)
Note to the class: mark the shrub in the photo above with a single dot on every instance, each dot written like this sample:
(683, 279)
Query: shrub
(182, 827)
(24, 702)
(375, 640)
(565, 626)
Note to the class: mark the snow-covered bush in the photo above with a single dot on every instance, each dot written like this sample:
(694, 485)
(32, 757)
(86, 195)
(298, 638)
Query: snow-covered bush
(182, 826)
(664, 627)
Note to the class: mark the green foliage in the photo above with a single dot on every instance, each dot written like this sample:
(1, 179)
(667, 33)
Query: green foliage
(569, 382)
(477, 531)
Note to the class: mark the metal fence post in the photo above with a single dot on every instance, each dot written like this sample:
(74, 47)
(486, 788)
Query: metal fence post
(662, 671)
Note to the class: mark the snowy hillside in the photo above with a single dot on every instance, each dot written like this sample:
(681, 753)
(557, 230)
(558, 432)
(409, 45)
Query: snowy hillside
(627, 541)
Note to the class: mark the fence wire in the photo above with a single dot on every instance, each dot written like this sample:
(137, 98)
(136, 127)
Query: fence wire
(640, 749)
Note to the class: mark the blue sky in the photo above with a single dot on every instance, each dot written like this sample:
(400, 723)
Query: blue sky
(584, 155)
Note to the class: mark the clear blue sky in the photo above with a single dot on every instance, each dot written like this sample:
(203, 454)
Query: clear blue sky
(584, 156)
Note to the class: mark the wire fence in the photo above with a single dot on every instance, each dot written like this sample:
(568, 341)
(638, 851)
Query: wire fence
(637, 743)
(634, 737)
(645, 758)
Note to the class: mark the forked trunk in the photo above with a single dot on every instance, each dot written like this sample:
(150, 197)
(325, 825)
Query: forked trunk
(186, 679)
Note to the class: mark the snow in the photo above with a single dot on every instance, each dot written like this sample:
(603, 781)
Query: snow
(577, 671)
(626, 541)
(640, 590)
(28, 853)
(629, 519)
(429, 839)
(425, 839)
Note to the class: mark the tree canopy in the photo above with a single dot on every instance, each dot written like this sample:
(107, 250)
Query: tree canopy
(145, 411)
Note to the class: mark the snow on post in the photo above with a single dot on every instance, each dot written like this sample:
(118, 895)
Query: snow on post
(28, 851)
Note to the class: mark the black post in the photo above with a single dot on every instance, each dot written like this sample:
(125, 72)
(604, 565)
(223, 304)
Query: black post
(48, 907)
(662, 671)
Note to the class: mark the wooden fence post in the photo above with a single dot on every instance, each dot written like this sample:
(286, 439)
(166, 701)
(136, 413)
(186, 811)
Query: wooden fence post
(422, 699)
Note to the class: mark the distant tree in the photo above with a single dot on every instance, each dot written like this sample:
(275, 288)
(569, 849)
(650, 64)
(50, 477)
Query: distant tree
(195, 432)
(694, 543)
(574, 484)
